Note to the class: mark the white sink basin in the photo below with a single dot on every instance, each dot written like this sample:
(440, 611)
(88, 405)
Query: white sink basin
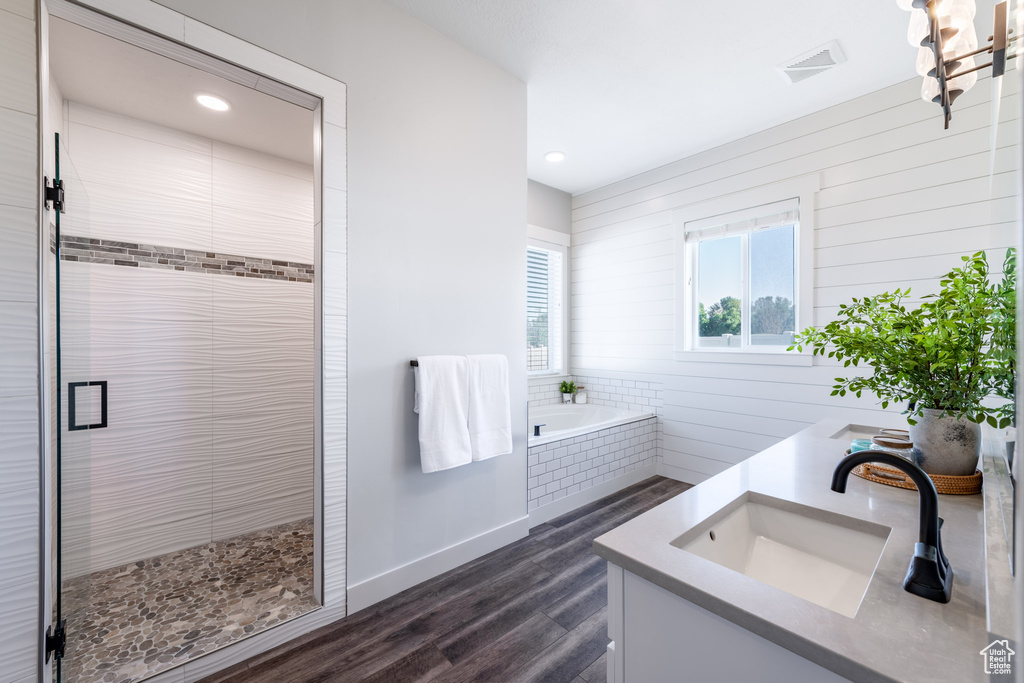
(814, 554)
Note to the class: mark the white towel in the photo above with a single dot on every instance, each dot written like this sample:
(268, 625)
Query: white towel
(490, 415)
(442, 401)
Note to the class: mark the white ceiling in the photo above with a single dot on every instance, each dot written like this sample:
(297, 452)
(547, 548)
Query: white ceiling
(625, 86)
(105, 73)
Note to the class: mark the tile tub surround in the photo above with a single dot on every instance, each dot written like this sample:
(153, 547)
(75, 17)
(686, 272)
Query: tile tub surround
(544, 393)
(139, 619)
(623, 393)
(602, 391)
(562, 468)
(799, 469)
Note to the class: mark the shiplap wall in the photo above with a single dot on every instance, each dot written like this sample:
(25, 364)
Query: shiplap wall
(901, 200)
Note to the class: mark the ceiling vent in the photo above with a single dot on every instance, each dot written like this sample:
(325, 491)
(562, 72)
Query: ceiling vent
(811, 63)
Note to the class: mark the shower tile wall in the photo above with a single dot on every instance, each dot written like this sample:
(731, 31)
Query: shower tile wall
(211, 382)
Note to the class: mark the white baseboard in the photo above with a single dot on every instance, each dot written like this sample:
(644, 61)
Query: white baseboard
(372, 591)
(561, 506)
(682, 474)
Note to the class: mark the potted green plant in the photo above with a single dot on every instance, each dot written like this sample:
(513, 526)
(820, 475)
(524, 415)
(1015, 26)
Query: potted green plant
(568, 388)
(937, 357)
(1003, 347)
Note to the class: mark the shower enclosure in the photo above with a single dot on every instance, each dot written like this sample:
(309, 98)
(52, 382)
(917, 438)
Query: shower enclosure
(182, 371)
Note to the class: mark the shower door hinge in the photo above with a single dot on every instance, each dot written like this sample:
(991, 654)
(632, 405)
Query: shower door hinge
(56, 641)
(54, 193)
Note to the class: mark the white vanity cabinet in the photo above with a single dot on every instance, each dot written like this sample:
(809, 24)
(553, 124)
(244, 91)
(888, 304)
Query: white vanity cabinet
(658, 637)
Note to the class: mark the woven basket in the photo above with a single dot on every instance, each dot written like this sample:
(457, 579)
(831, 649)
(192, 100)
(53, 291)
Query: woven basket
(944, 483)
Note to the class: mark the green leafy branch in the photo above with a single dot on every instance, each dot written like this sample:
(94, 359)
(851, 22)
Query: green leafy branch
(949, 353)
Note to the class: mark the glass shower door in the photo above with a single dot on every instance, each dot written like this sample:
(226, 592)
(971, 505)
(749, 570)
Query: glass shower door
(80, 401)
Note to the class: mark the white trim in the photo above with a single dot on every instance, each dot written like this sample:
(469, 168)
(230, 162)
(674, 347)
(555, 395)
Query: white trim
(804, 189)
(371, 591)
(236, 653)
(547, 235)
(547, 378)
(745, 220)
(750, 355)
(561, 506)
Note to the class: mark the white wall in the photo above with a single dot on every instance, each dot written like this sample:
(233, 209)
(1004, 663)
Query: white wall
(548, 207)
(901, 200)
(20, 179)
(210, 425)
(437, 205)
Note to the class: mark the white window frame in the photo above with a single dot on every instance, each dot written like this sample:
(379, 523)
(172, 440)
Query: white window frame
(739, 206)
(556, 241)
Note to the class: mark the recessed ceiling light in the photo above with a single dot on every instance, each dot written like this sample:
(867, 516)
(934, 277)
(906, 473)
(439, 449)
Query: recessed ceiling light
(554, 157)
(211, 102)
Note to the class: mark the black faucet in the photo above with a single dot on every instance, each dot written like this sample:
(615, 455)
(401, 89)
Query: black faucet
(929, 575)
(536, 428)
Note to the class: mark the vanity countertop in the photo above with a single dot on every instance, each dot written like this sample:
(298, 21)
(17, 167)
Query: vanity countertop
(895, 636)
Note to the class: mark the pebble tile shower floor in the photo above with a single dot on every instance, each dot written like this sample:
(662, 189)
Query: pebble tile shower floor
(132, 621)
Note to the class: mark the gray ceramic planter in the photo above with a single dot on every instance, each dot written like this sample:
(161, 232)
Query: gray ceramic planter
(947, 445)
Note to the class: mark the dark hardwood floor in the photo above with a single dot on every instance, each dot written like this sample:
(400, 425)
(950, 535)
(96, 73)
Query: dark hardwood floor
(531, 611)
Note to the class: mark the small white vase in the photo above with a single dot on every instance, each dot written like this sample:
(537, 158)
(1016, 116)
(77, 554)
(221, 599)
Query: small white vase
(948, 445)
(566, 398)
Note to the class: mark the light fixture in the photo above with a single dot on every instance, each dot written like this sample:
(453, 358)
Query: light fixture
(554, 157)
(211, 102)
(943, 31)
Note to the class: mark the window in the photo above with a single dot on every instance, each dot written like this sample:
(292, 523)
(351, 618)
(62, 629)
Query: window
(745, 293)
(746, 278)
(545, 315)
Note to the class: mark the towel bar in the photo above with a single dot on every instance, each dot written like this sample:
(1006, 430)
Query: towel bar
(414, 364)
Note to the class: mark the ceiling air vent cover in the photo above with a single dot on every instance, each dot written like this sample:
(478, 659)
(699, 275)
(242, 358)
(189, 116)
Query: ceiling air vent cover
(811, 63)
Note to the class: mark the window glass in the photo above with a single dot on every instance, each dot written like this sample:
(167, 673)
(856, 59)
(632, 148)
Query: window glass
(543, 310)
(772, 287)
(719, 293)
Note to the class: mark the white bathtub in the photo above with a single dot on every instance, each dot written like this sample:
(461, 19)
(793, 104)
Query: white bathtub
(563, 421)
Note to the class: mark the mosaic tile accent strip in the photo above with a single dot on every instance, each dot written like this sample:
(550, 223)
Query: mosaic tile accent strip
(136, 620)
(111, 252)
(562, 468)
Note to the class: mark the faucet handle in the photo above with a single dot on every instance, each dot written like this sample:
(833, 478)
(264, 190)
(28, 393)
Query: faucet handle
(942, 555)
(536, 428)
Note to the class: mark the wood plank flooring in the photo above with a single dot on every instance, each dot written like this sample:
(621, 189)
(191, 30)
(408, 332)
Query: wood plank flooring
(531, 611)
